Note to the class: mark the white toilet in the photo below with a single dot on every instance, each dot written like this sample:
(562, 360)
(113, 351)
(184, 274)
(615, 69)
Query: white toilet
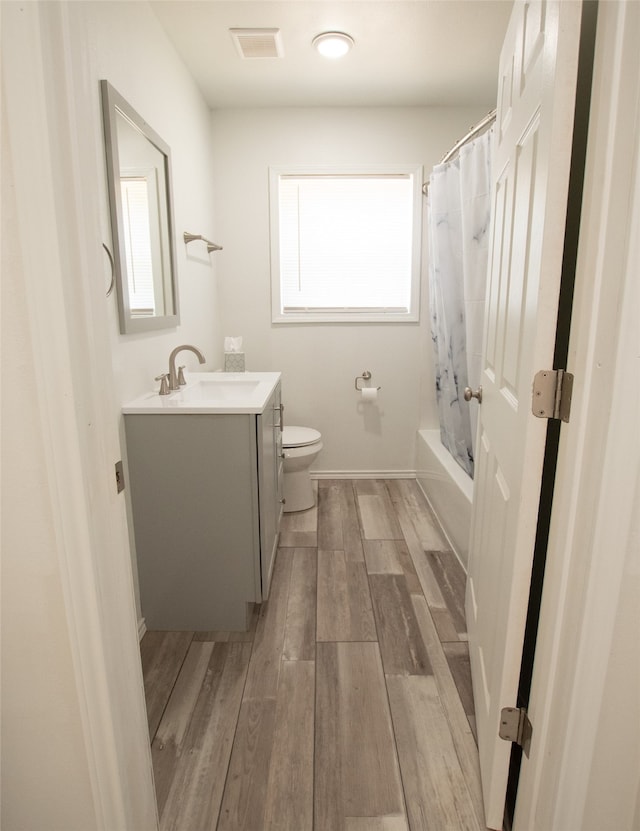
(300, 446)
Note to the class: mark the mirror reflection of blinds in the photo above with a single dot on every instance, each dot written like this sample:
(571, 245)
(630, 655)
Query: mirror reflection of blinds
(346, 243)
(137, 242)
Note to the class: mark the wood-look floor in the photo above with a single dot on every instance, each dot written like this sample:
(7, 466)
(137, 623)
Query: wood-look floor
(348, 705)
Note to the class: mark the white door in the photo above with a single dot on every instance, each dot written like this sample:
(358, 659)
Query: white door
(536, 98)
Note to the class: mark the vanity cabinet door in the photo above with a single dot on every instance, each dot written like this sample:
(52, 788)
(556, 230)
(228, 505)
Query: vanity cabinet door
(195, 494)
(270, 473)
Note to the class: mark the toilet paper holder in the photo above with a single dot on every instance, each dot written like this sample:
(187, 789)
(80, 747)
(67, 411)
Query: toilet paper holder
(366, 376)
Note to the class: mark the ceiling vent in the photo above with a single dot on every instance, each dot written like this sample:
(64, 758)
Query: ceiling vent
(257, 43)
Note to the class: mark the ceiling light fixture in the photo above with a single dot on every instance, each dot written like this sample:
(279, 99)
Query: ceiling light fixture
(333, 44)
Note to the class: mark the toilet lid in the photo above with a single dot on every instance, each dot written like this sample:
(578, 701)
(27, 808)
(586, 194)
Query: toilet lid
(299, 436)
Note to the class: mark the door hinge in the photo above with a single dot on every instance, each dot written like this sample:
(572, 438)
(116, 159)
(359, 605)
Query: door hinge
(119, 476)
(551, 396)
(516, 727)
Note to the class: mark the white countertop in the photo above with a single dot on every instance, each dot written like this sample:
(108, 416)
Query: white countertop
(210, 392)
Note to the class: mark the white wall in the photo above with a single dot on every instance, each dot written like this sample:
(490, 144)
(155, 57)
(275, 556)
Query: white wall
(320, 361)
(129, 48)
(613, 786)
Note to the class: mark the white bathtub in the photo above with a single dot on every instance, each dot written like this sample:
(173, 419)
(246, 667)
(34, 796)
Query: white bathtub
(448, 489)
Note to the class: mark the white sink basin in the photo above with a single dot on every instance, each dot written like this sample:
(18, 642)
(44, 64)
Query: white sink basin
(210, 392)
(213, 391)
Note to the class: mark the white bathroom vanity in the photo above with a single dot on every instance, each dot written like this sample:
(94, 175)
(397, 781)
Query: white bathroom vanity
(205, 472)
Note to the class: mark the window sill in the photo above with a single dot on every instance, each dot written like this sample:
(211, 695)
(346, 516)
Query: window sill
(345, 317)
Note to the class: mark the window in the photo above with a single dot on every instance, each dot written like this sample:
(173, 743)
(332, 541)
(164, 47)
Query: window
(345, 243)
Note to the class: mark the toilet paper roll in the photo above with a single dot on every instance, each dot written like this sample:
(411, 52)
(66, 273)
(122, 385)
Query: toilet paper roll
(369, 394)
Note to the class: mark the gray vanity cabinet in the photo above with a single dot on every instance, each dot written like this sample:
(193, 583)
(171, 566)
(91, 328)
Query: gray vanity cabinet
(205, 495)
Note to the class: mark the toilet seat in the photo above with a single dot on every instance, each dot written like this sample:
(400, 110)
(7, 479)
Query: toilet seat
(299, 436)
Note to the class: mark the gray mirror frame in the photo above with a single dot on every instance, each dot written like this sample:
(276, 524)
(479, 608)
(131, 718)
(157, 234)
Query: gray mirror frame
(112, 100)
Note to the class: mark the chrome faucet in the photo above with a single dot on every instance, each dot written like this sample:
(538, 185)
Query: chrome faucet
(173, 375)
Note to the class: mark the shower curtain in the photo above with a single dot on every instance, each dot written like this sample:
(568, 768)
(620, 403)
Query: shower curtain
(459, 212)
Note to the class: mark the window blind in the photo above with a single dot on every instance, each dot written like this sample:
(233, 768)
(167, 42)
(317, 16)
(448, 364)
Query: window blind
(346, 242)
(137, 242)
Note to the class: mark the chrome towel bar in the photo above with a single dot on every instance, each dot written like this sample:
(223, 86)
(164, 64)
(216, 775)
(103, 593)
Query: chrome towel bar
(211, 246)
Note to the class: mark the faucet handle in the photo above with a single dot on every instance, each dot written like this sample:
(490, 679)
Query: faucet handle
(164, 383)
(181, 380)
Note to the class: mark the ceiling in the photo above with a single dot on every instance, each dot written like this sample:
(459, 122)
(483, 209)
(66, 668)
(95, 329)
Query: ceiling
(418, 53)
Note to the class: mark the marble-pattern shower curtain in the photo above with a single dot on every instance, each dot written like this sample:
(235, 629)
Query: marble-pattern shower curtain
(459, 211)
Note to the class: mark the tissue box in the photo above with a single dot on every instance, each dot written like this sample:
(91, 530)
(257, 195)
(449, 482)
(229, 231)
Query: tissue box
(234, 361)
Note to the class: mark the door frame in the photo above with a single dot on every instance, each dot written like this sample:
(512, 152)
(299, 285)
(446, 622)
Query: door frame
(595, 496)
(57, 237)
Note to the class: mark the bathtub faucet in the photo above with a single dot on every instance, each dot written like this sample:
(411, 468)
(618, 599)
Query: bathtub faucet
(173, 375)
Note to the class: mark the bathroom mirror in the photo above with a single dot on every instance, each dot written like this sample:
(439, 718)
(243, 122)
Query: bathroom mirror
(139, 182)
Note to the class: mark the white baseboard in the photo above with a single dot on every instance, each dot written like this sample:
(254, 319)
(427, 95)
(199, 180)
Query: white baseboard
(142, 628)
(363, 474)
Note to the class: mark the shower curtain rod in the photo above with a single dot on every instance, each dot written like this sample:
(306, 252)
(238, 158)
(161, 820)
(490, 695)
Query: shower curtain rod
(473, 132)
